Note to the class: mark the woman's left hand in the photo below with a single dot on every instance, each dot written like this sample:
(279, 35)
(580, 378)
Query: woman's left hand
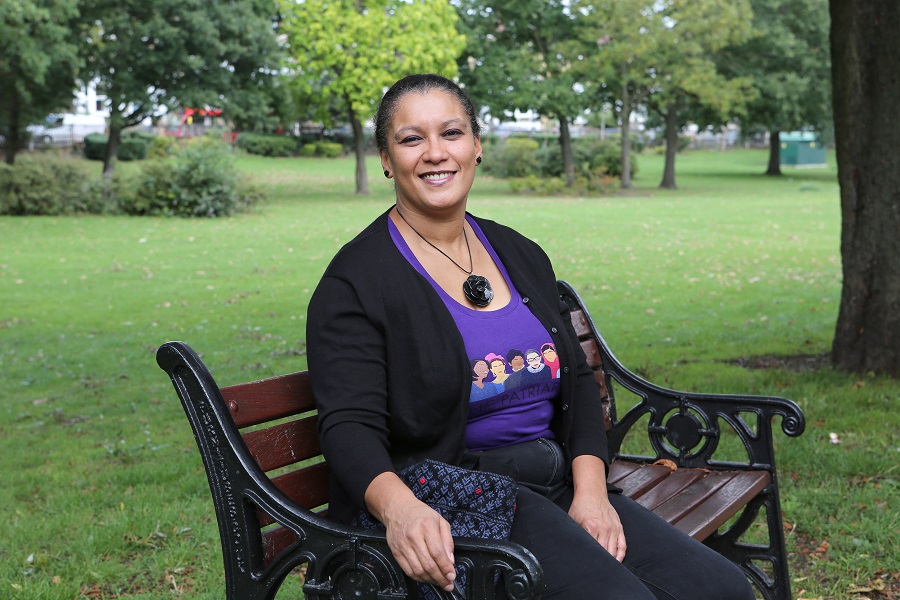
(591, 508)
(600, 519)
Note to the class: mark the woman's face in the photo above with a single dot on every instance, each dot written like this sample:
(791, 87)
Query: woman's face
(497, 367)
(431, 152)
(534, 359)
(517, 362)
(549, 355)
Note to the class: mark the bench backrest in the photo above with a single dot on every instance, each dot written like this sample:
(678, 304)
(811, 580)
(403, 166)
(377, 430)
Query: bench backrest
(278, 426)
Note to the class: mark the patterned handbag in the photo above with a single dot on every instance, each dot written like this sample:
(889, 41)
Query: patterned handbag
(477, 504)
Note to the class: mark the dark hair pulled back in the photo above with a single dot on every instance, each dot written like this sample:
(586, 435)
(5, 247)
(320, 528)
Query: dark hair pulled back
(421, 83)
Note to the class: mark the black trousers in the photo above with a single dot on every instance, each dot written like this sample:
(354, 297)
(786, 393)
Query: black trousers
(660, 563)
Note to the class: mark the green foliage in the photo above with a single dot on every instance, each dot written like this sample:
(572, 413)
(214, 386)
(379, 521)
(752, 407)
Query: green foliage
(522, 157)
(161, 146)
(145, 54)
(267, 144)
(329, 149)
(42, 185)
(197, 180)
(788, 60)
(133, 145)
(346, 52)
(95, 146)
(38, 63)
(513, 157)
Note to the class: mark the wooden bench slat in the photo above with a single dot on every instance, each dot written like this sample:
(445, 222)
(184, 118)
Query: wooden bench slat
(275, 541)
(284, 444)
(675, 483)
(706, 517)
(641, 480)
(308, 486)
(580, 323)
(269, 399)
(592, 353)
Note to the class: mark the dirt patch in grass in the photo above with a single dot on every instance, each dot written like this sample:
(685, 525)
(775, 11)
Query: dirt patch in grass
(800, 363)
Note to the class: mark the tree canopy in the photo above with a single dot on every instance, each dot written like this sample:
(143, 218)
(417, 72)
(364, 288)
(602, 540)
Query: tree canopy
(147, 55)
(38, 64)
(346, 52)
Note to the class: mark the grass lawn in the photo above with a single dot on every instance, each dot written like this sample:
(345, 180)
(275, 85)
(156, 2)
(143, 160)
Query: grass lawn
(104, 494)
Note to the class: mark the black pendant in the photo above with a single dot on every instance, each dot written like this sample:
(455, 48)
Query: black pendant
(478, 290)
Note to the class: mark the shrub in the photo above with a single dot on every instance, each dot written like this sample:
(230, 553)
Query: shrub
(197, 180)
(514, 157)
(133, 145)
(267, 145)
(161, 146)
(95, 146)
(308, 150)
(329, 149)
(43, 185)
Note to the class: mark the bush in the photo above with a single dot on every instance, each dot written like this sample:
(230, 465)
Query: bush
(592, 183)
(514, 157)
(95, 146)
(161, 146)
(133, 145)
(308, 150)
(267, 145)
(43, 185)
(329, 149)
(197, 180)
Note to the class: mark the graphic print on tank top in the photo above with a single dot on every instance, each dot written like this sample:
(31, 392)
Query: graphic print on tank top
(515, 368)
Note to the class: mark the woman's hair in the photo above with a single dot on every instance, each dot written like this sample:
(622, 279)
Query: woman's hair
(421, 83)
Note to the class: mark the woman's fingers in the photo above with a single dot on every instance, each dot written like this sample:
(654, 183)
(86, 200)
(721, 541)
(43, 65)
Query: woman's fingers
(423, 547)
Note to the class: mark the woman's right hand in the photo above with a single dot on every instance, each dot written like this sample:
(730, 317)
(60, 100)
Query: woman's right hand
(418, 536)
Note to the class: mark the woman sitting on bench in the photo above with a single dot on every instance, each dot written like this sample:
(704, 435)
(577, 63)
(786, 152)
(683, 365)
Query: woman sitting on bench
(399, 333)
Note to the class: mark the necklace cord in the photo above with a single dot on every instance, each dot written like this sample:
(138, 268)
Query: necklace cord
(465, 237)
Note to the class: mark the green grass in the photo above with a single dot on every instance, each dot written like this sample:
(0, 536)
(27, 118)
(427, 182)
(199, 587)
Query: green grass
(104, 494)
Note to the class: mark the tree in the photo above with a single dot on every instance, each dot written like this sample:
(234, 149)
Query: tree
(690, 31)
(151, 55)
(38, 64)
(520, 55)
(866, 90)
(349, 51)
(621, 38)
(787, 59)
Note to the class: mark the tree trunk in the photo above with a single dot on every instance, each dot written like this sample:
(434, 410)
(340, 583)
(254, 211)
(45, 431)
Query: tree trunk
(668, 180)
(112, 145)
(14, 128)
(866, 89)
(359, 147)
(774, 154)
(565, 140)
(626, 138)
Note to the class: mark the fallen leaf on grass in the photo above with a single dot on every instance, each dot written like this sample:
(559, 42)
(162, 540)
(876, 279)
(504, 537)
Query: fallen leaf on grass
(875, 586)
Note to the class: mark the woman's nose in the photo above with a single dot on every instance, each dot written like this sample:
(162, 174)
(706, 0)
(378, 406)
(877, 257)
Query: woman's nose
(436, 151)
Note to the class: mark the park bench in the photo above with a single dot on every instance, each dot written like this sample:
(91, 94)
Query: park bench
(269, 481)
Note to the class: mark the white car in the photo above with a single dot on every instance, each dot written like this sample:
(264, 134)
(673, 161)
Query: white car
(66, 129)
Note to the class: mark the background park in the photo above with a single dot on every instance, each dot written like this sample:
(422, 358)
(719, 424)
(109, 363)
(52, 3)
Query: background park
(714, 270)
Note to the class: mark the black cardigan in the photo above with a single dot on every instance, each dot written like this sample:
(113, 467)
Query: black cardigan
(389, 369)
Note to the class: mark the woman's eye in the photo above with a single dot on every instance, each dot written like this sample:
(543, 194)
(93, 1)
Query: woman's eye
(453, 133)
(409, 139)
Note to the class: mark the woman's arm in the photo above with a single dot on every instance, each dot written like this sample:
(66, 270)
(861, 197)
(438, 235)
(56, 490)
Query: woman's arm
(591, 508)
(418, 536)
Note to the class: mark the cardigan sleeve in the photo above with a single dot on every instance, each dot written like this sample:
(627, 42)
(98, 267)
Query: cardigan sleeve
(347, 365)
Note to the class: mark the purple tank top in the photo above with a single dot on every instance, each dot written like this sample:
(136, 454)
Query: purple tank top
(515, 369)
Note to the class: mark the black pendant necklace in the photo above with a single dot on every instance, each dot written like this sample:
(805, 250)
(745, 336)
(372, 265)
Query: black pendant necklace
(477, 289)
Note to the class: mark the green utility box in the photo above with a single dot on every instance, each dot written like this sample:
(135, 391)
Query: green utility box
(802, 149)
